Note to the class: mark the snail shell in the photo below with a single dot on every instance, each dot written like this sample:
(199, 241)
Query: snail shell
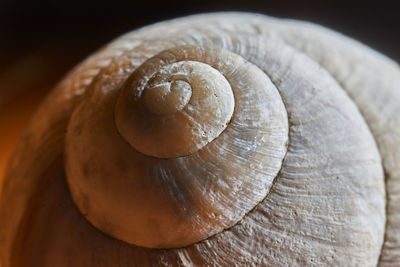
(227, 139)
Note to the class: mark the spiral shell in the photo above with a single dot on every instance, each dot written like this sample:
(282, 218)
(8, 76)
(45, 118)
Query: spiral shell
(226, 139)
(182, 195)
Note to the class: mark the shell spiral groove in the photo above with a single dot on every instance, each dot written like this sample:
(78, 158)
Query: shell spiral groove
(176, 162)
(225, 139)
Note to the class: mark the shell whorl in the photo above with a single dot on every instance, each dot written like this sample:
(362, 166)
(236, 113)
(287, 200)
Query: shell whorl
(184, 173)
(289, 171)
(182, 105)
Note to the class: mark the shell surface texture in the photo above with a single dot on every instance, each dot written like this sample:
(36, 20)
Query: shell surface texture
(224, 139)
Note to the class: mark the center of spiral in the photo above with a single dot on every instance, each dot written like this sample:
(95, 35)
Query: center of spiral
(168, 97)
(175, 110)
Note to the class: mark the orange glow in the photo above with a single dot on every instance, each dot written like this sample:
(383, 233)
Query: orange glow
(14, 115)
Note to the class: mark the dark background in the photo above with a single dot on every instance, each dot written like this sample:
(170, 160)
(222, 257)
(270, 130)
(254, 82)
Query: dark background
(41, 40)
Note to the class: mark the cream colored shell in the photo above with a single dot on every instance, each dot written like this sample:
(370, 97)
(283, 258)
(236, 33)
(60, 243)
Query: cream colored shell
(300, 166)
(175, 201)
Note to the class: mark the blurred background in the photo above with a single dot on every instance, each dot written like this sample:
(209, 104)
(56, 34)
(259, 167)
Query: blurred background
(41, 40)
